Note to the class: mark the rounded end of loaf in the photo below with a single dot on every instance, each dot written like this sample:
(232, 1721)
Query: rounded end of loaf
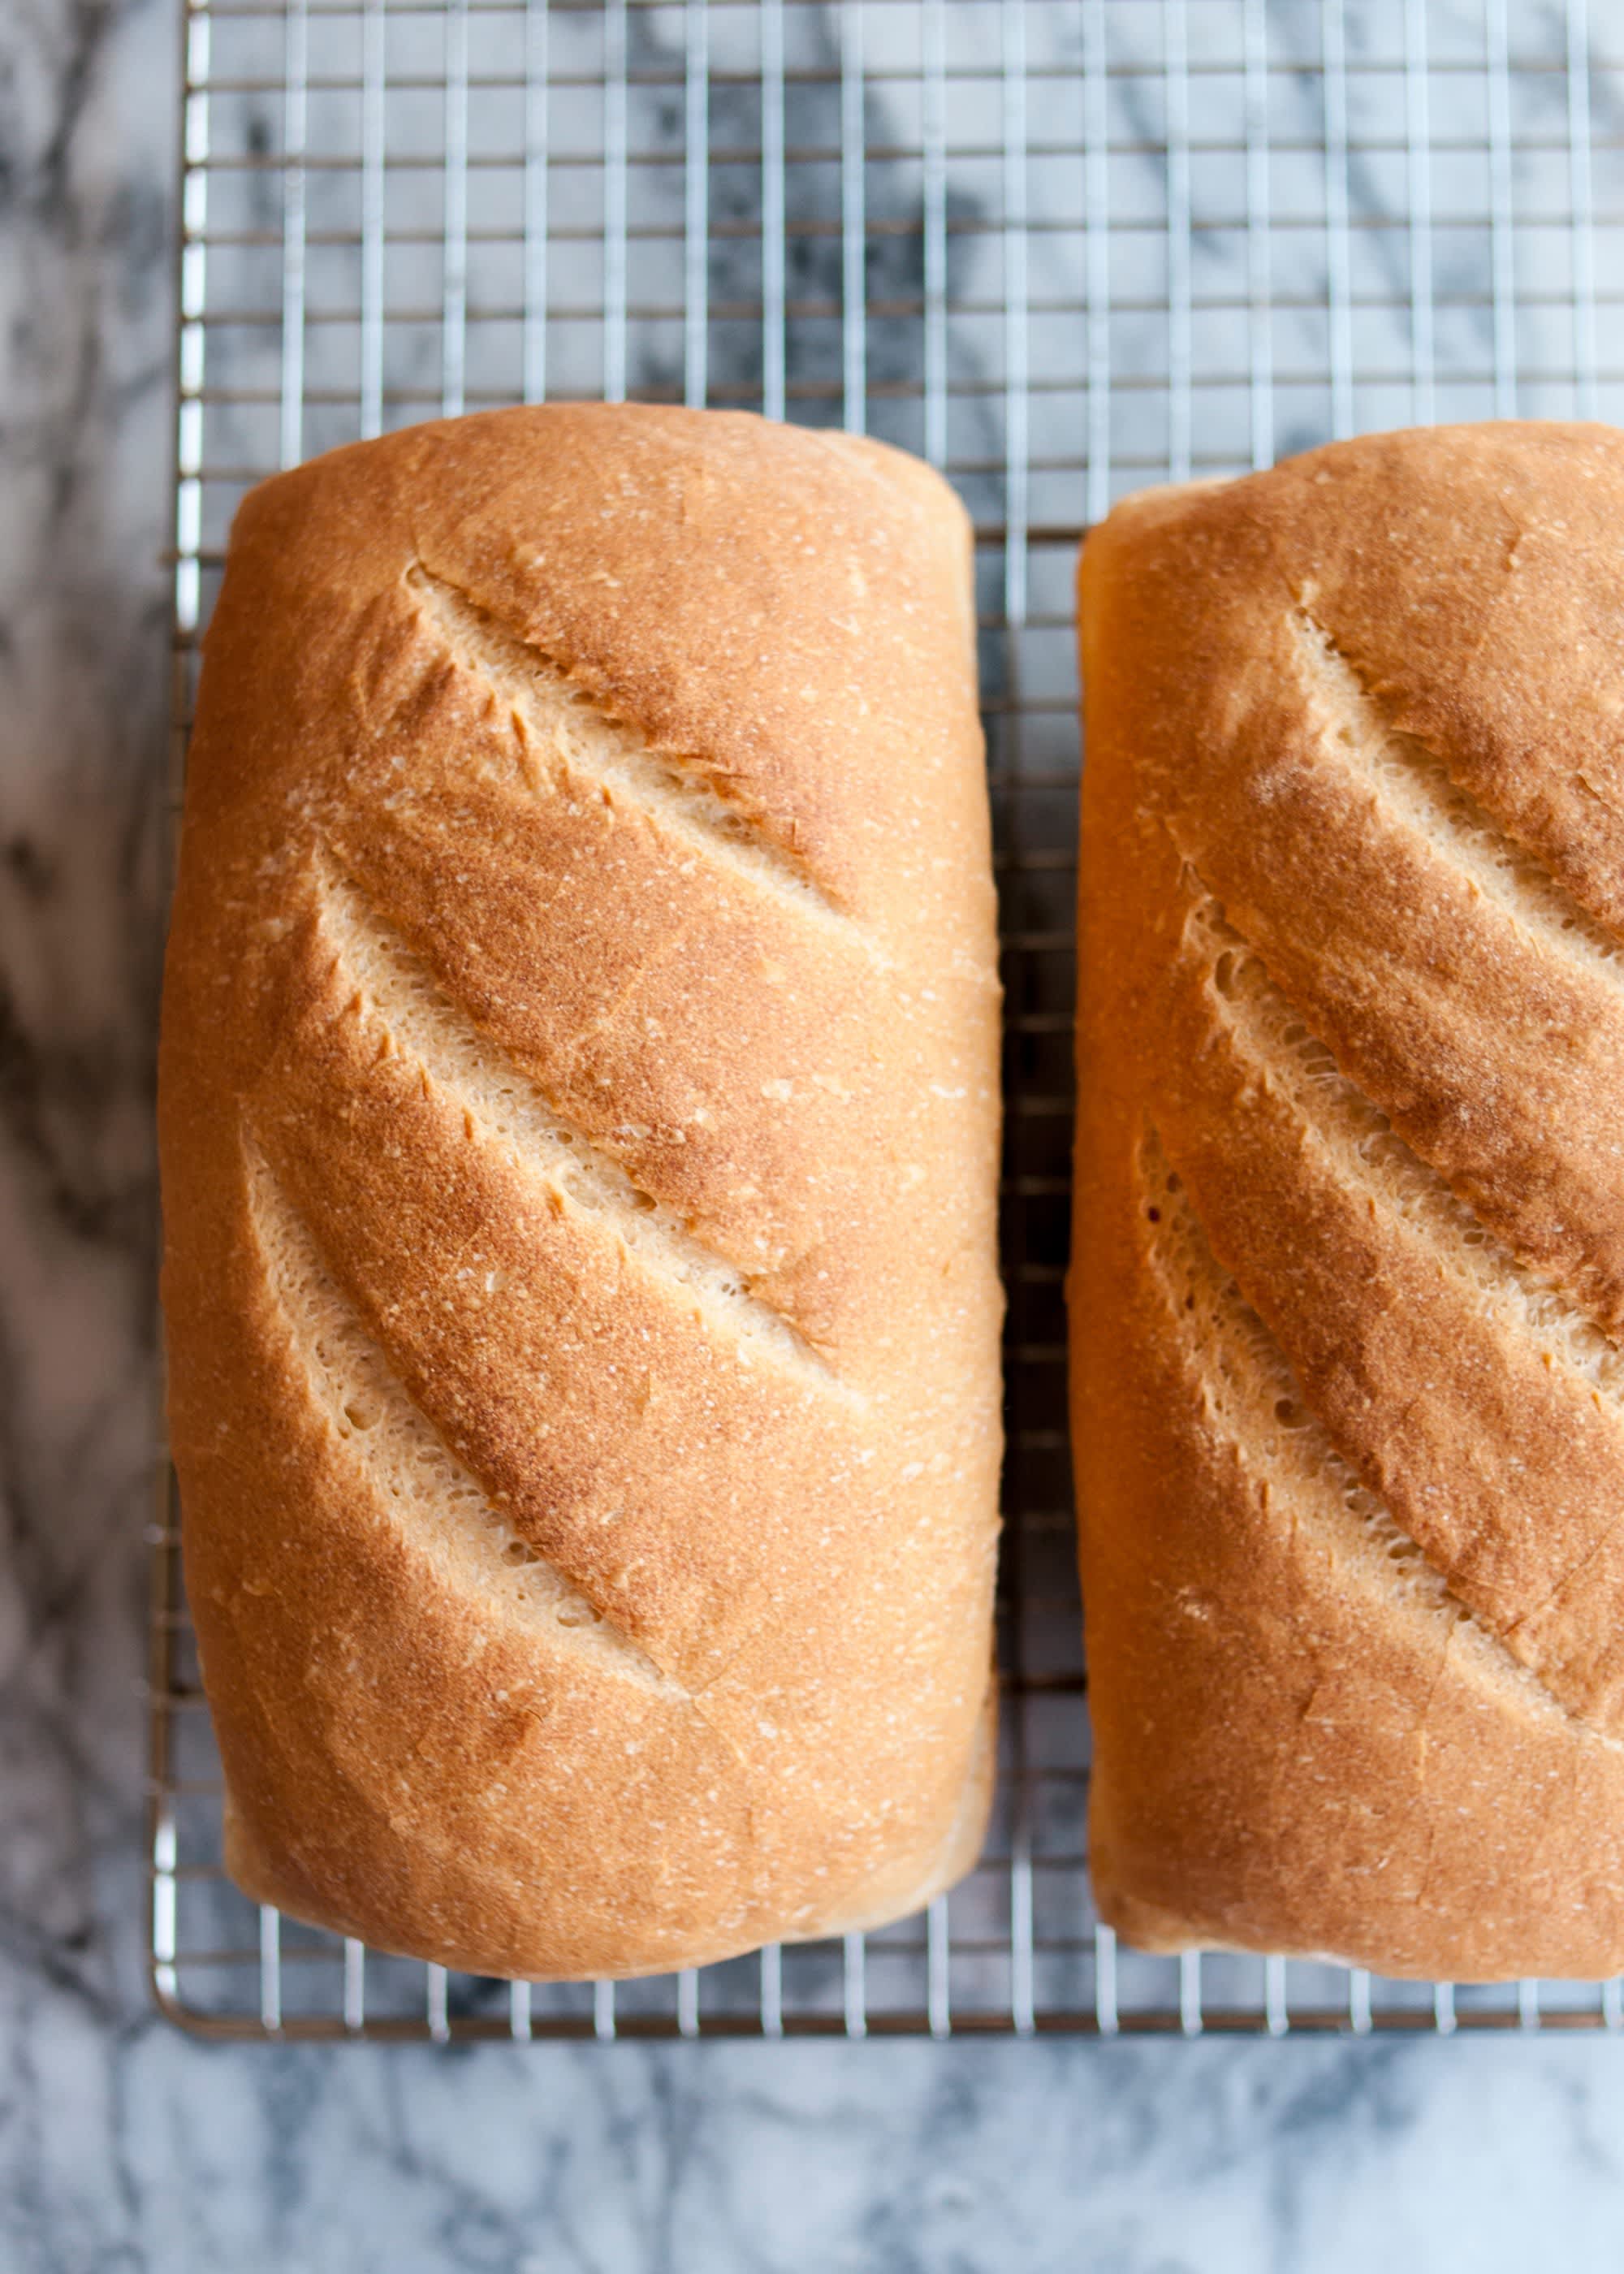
(471, 1946)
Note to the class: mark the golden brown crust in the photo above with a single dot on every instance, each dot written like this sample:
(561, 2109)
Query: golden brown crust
(1351, 1114)
(579, 1118)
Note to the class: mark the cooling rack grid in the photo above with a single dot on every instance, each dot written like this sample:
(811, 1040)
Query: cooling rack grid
(1062, 248)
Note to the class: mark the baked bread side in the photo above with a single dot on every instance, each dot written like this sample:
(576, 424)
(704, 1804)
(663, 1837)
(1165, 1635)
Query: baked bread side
(1349, 1271)
(579, 1121)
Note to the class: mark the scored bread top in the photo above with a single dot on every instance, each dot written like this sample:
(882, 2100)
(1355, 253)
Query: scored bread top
(1352, 1153)
(579, 1120)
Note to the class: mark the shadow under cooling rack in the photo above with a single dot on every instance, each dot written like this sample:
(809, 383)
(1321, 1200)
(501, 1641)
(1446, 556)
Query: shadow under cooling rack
(1061, 251)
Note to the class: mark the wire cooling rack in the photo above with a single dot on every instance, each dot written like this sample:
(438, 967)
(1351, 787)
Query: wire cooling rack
(1062, 250)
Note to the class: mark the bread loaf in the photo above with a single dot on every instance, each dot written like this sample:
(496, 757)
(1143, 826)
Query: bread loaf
(1348, 1277)
(579, 1118)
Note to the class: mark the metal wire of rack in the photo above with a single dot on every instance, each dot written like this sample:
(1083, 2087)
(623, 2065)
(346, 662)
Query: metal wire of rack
(1062, 248)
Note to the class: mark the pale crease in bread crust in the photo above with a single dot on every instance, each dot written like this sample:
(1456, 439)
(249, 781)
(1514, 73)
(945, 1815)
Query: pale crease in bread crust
(1349, 1467)
(414, 1020)
(562, 733)
(579, 1119)
(433, 1497)
(1531, 1544)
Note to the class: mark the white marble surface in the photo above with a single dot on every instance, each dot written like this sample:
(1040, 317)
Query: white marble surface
(124, 2145)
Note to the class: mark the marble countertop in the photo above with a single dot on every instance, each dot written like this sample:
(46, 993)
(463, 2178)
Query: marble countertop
(127, 2145)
